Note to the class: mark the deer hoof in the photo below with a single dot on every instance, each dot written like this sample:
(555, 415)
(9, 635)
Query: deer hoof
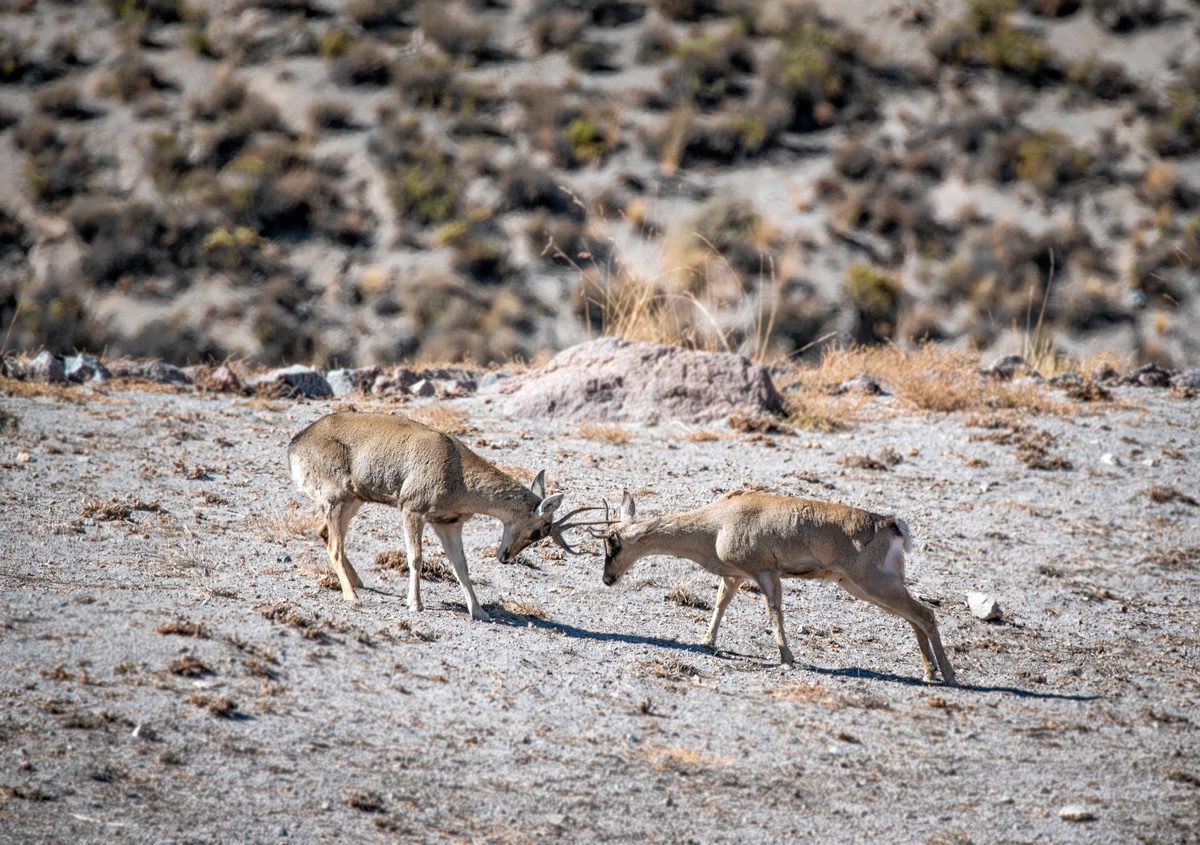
(785, 657)
(350, 597)
(480, 615)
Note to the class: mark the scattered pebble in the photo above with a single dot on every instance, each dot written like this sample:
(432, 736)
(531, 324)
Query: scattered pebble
(984, 606)
(1076, 813)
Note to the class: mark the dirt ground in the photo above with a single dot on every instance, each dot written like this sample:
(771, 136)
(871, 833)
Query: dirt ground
(175, 665)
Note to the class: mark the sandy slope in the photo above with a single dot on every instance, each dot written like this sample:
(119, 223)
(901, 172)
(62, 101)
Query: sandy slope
(587, 713)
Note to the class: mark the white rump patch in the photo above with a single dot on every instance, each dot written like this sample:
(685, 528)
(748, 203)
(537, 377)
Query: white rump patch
(893, 564)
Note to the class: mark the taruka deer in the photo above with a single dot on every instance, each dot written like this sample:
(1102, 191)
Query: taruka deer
(765, 537)
(344, 460)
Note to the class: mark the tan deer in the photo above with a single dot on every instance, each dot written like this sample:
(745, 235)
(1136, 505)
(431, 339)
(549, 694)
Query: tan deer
(344, 460)
(766, 537)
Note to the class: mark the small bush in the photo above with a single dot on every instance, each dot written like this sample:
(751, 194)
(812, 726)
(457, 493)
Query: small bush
(58, 164)
(590, 56)
(365, 63)
(708, 68)
(1126, 15)
(335, 43)
(655, 42)
(458, 31)
(330, 115)
(121, 239)
(524, 187)
(554, 28)
(985, 37)
(380, 14)
(1102, 79)
(132, 78)
(875, 296)
(1052, 8)
(1048, 160)
(62, 100)
(693, 11)
(152, 11)
(1175, 129)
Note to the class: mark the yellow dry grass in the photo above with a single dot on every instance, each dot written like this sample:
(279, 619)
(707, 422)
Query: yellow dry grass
(929, 378)
(603, 432)
(442, 417)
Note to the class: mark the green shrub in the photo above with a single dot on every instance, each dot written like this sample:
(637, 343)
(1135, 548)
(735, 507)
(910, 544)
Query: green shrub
(708, 68)
(875, 296)
(986, 37)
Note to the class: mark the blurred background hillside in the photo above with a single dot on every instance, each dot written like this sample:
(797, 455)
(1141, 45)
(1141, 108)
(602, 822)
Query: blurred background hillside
(378, 180)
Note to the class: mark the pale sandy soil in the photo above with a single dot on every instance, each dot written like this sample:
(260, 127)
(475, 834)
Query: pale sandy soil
(587, 713)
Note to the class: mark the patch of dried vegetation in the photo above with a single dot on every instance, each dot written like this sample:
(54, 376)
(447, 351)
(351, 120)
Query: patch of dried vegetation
(604, 433)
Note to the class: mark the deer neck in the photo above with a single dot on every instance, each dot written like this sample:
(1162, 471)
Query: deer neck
(679, 536)
(491, 492)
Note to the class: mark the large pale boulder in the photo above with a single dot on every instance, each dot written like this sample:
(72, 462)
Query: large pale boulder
(613, 379)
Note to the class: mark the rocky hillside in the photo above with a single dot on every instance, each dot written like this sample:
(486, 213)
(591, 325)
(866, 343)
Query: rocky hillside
(364, 182)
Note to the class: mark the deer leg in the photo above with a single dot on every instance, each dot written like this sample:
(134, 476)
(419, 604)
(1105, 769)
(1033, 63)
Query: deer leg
(351, 509)
(725, 593)
(414, 524)
(336, 521)
(451, 538)
(772, 590)
(895, 598)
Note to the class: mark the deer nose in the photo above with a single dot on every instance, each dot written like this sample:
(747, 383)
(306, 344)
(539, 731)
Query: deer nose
(609, 580)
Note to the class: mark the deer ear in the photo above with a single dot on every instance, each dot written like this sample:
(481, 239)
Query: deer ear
(628, 509)
(549, 504)
(538, 487)
(640, 530)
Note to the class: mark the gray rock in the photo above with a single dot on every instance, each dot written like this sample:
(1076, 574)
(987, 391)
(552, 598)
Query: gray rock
(344, 382)
(158, 372)
(490, 380)
(459, 387)
(1105, 373)
(621, 380)
(396, 380)
(1076, 813)
(1150, 375)
(295, 381)
(85, 367)
(45, 367)
(424, 387)
(861, 383)
(984, 606)
(1008, 367)
(1187, 380)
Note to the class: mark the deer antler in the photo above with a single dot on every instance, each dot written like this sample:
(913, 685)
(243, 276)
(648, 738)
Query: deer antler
(557, 528)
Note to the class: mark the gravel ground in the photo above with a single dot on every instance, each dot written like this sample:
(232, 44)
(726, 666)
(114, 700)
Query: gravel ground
(174, 668)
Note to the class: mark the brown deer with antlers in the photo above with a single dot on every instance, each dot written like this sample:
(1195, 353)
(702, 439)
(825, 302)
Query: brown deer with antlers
(345, 460)
(766, 537)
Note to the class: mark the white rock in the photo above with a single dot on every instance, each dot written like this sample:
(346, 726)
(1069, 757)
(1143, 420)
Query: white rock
(1076, 813)
(984, 606)
(1110, 459)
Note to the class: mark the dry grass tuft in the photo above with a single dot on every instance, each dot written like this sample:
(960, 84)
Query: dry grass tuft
(863, 462)
(280, 528)
(432, 568)
(308, 627)
(700, 435)
(189, 667)
(1033, 444)
(30, 389)
(685, 596)
(1161, 494)
(750, 422)
(116, 509)
(221, 706)
(184, 628)
(442, 417)
(929, 378)
(809, 692)
(364, 800)
(522, 609)
(680, 758)
(819, 412)
(603, 433)
(669, 668)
